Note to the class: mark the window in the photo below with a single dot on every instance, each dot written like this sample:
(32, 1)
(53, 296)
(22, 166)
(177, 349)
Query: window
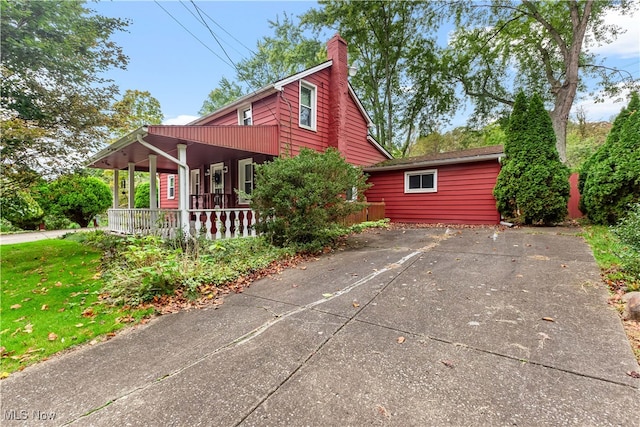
(195, 181)
(307, 106)
(421, 181)
(245, 178)
(245, 116)
(352, 194)
(171, 187)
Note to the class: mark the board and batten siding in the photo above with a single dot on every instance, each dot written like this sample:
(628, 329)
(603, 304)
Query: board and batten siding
(464, 196)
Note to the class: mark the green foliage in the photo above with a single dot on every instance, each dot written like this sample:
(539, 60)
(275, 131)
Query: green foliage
(501, 47)
(610, 179)
(76, 197)
(142, 268)
(533, 185)
(135, 109)
(628, 231)
(54, 55)
(20, 209)
(301, 200)
(394, 47)
(142, 197)
(225, 93)
(460, 138)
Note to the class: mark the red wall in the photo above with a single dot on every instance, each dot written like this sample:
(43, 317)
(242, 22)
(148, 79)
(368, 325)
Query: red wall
(574, 198)
(164, 202)
(464, 196)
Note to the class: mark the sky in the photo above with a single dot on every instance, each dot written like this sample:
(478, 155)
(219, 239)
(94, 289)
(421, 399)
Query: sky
(180, 70)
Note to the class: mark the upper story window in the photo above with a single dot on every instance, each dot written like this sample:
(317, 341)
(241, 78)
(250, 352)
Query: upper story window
(245, 116)
(425, 181)
(308, 105)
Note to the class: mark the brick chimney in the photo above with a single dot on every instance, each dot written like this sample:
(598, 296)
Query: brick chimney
(338, 93)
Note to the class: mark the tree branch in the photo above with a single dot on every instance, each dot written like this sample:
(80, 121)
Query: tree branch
(552, 31)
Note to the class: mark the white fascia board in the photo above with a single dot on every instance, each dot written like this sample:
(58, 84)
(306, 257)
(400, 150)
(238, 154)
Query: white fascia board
(380, 148)
(360, 106)
(279, 85)
(125, 141)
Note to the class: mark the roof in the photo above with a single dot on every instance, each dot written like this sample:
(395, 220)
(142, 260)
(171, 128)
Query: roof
(452, 157)
(262, 92)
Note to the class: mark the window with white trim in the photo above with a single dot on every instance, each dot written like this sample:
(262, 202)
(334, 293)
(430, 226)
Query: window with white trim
(245, 116)
(171, 187)
(352, 194)
(425, 181)
(245, 179)
(308, 105)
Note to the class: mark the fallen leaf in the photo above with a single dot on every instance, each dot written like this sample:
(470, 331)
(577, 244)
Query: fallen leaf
(28, 328)
(58, 284)
(15, 306)
(383, 411)
(400, 340)
(304, 267)
(4, 375)
(634, 374)
(355, 305)
(563, 265)
(327, 295)
(52, 336)
(79, 325)
(45, 307)
(548, 319)
(61, 310)
(447, 363)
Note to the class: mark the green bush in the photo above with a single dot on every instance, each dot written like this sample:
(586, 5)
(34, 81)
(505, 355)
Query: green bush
(533, 185)
(76, 197)
(628, 231)
(301, 200)
(20, 208)
(610, 179)
(141, 198)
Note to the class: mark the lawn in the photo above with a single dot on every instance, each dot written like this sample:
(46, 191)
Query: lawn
(50, 301)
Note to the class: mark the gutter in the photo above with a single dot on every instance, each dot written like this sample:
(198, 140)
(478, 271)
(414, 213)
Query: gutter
(427, 163)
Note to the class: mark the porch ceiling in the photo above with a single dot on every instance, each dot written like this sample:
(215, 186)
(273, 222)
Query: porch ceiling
(205, 144)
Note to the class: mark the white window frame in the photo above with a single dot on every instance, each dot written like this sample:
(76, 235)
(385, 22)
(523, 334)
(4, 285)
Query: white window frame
(354, 195)
(409, 174)
(241, 116)
(195, 182)
(171, 187)
(242, 179)
(314, 104)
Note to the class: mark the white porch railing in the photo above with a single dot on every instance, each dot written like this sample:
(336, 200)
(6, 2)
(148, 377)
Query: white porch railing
(223, 223)
(163, 222)
(211, 223)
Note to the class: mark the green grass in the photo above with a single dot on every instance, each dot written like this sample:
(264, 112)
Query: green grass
(606, 247)
(50, 301)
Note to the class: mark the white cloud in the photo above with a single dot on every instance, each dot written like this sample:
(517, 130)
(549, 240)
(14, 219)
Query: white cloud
(626, 45)
(604, 111)
(182, 119)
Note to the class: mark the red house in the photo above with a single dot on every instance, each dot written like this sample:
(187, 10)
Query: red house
(202, 164)
(449, 188)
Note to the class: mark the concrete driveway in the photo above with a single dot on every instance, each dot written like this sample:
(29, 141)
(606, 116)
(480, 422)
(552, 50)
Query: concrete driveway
(420, 327)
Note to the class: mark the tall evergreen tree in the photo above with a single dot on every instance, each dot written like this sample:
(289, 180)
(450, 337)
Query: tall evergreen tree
(610, 179)
(533, 185)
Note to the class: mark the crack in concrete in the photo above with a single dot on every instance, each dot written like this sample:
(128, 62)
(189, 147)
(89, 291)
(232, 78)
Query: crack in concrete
(243, 339)
(495, 353)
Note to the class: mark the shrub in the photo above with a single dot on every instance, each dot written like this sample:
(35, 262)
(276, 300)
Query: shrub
(142, 199)
(301, 200)
(628, 231)
(533, 185)
(76, 197)
(19, 207)
(610, 179)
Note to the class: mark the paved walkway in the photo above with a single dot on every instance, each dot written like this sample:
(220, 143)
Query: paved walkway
(32, 236)
(406, 328)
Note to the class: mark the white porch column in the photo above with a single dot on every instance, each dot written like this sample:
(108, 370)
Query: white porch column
(132, 185)
(153, 183)
(116, 188)
(183, 185)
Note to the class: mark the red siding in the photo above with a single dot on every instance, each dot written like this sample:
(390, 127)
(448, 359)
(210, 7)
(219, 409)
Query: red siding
(465, 195)
(574, 198)
(166, 203)
(359, 150)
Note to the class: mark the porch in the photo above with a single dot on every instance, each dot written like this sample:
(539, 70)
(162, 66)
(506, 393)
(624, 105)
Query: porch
(200, 169)
(208, 223)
